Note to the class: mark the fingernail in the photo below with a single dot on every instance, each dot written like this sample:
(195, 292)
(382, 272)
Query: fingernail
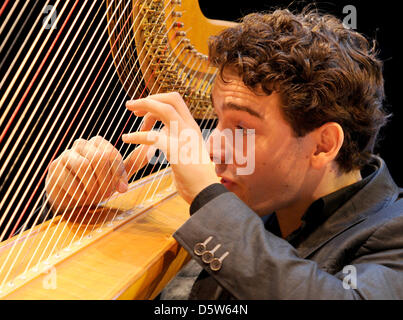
(126, 138)
(122, 186)
(124, 176)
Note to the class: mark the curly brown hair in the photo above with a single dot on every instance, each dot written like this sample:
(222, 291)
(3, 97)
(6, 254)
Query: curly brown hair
(323, 72)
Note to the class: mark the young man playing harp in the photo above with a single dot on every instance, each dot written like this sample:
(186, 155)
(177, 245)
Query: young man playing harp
(319, 217)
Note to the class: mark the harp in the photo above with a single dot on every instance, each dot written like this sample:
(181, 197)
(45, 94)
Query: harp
(67, 68)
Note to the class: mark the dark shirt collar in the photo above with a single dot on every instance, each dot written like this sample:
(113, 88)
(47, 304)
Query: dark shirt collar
(321, 209)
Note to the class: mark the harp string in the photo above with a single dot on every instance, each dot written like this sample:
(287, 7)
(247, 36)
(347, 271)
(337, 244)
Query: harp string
(38, 120)
(30, 69)
(4, 7)
(13, 216)
(10, 13)
(34, 223)
(149, 188)
(75, 176)
(45, 140)
(90, 192)
(179, 77)
(48, 87)
(155, 177)
(124, 155)
(22, 46)
(50, 82)
(133, 165)
(24, 227)
(84, 130)
(88, 210)
(10, 49)
(21, 133)
(136, 160)
(49, 117)
(79, 226)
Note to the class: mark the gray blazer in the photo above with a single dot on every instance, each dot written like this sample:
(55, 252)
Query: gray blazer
(357, 253)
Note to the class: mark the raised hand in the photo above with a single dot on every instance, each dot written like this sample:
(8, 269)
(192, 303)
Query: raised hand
(180, 140)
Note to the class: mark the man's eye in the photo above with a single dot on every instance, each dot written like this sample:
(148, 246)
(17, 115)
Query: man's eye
(244, 130)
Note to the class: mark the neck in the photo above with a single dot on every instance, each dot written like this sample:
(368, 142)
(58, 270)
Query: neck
(289, 218)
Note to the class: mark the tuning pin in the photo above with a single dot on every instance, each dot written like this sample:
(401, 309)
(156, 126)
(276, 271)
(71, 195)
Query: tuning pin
(178, 24)
(186, 40)
(180, 33)
(177, 14)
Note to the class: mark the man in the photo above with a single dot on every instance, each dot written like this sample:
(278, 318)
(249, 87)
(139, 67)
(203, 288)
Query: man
(319, 217)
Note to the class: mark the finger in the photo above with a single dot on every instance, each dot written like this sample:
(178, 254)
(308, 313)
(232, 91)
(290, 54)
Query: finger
(82, 172)
(155, 140)
(174, 99)
(66, 184)
(59, 200)
(142, 137)
(58, 185)
(115, 163)
(148, 122)
(161, 111)
(96, 172)
(107, 165)
(137, 159)
(106, 146)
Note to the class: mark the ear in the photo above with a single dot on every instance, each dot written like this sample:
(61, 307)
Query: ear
(328, 139)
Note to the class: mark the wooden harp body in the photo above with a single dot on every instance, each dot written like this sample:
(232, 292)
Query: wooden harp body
(123, 248)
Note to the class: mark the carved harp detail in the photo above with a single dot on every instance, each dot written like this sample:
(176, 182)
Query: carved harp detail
(123, 247)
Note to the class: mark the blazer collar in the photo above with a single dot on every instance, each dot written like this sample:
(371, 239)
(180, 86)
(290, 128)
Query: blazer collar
(378, 193)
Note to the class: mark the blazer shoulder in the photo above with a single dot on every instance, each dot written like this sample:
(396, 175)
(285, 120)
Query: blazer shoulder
(388, 232)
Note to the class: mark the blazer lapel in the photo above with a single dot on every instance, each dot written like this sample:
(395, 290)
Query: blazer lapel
(377, 194)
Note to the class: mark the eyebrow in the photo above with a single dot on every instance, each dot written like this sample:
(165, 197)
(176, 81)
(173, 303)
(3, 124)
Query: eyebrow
(233, 106)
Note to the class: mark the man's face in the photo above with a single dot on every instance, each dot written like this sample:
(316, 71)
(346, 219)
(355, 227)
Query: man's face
(282, 161)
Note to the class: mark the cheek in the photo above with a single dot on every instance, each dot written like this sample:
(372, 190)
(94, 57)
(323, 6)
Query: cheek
(281, 162)
(280, 172)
